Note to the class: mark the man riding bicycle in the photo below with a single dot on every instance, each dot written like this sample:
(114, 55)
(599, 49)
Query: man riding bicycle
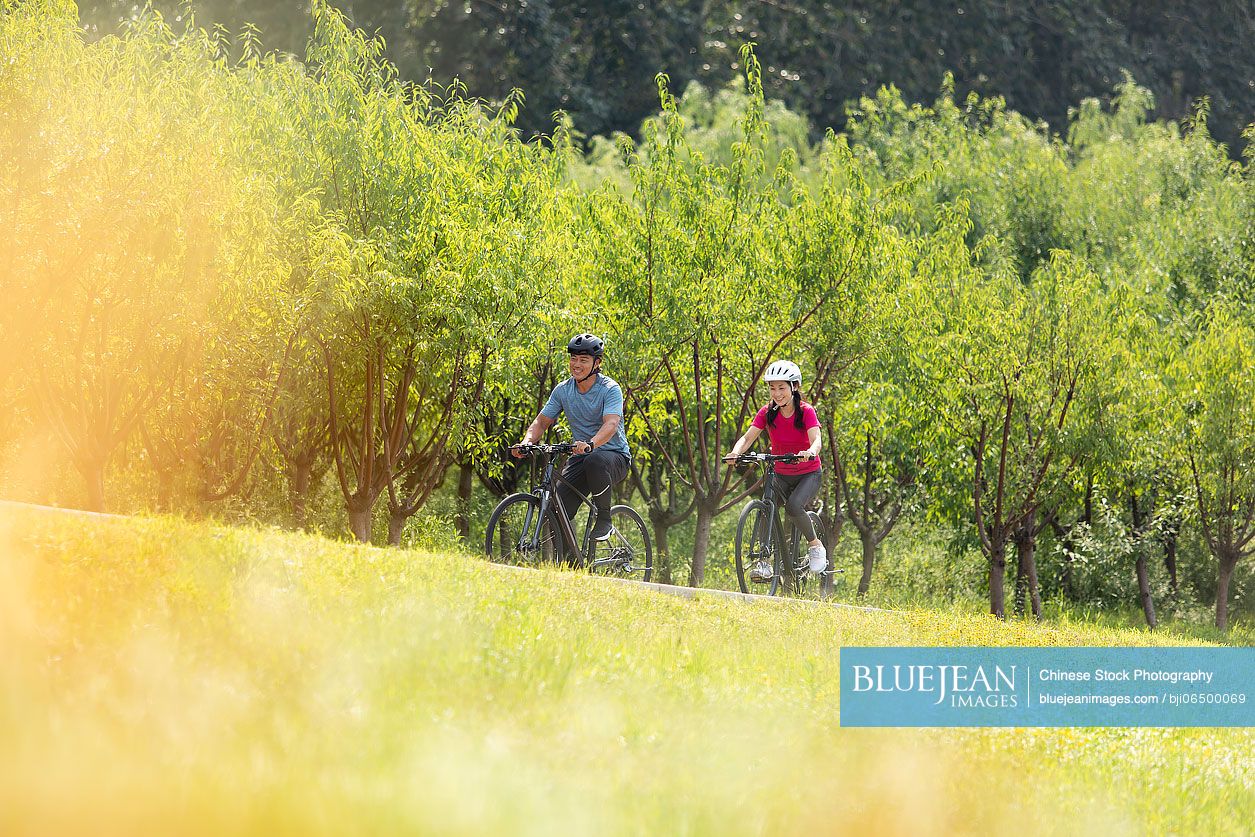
(593, 404)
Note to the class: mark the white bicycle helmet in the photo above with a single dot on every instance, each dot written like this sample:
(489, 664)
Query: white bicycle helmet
(783, 370)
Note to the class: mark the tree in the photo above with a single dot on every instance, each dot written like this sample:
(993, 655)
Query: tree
(877, 475)
(873, 422)
(1006, 365)
(1214, 385)
(417, 186)
(126, 239)
(501, 225)
(667, 502)
(1134, 450)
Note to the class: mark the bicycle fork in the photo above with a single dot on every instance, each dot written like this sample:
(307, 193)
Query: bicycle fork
(529, 538)
(764, 549)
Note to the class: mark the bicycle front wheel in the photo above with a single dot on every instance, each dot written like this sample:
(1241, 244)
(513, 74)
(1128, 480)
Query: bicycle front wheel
(517, 534)
(752, 544)
(626, 553)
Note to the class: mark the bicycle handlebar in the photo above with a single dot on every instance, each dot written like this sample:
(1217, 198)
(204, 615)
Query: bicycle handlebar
(756, 458)
(533, 450)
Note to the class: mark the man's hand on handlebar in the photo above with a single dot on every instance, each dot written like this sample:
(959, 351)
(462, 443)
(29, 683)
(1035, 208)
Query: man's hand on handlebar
(525, 449)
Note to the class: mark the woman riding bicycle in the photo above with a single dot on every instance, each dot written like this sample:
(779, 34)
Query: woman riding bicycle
(792, 428)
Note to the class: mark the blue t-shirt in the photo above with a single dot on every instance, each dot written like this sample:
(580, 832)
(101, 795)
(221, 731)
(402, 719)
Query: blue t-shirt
(585, 410)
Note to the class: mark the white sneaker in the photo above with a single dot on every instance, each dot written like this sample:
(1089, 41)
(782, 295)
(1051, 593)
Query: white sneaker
(761, 572)
(818, 557)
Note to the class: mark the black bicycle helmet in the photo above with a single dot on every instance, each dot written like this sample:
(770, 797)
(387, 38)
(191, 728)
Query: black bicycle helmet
(586, 344)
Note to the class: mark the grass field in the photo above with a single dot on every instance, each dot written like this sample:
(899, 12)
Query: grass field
(164, 676)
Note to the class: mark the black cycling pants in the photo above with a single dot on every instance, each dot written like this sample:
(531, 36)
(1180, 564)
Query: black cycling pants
(592, 474)
(795, 492)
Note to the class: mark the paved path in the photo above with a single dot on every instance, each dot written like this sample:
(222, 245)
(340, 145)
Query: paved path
(704, 592)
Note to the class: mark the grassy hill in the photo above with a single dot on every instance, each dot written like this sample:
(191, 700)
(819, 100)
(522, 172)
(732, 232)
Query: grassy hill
(165, 676)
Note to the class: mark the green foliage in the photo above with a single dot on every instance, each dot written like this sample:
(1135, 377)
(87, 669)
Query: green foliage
(712, 128)
(1166, 210)
(1008, 172)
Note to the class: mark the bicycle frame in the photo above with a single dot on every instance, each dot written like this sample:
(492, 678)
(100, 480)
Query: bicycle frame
(769, 499)
(551, 507)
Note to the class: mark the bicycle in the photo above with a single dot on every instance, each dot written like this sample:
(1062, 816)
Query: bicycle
(766, 537)
(530, 528)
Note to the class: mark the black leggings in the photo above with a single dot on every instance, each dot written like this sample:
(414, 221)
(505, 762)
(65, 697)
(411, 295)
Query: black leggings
(795, 492)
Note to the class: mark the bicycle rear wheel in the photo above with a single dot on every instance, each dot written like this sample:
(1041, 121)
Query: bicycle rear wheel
(827, 582)
(517, 534)
(626, 553)
(792, 576)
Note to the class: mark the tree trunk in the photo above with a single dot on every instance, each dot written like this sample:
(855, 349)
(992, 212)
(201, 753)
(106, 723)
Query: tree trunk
(1065, 580)
(1143, 589)
(359, 522)
(94, 481)
(302, 473)
(1143, 575)
(997, 578)
(868, 539)
(165, 492)
(1021, 580)
(1064, 534)
(396, 525)
(1034, 589)
(662, 555)
(701, 543)
(1222, 592)
(1026, 587)
(462, 521)
(1170, 562)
